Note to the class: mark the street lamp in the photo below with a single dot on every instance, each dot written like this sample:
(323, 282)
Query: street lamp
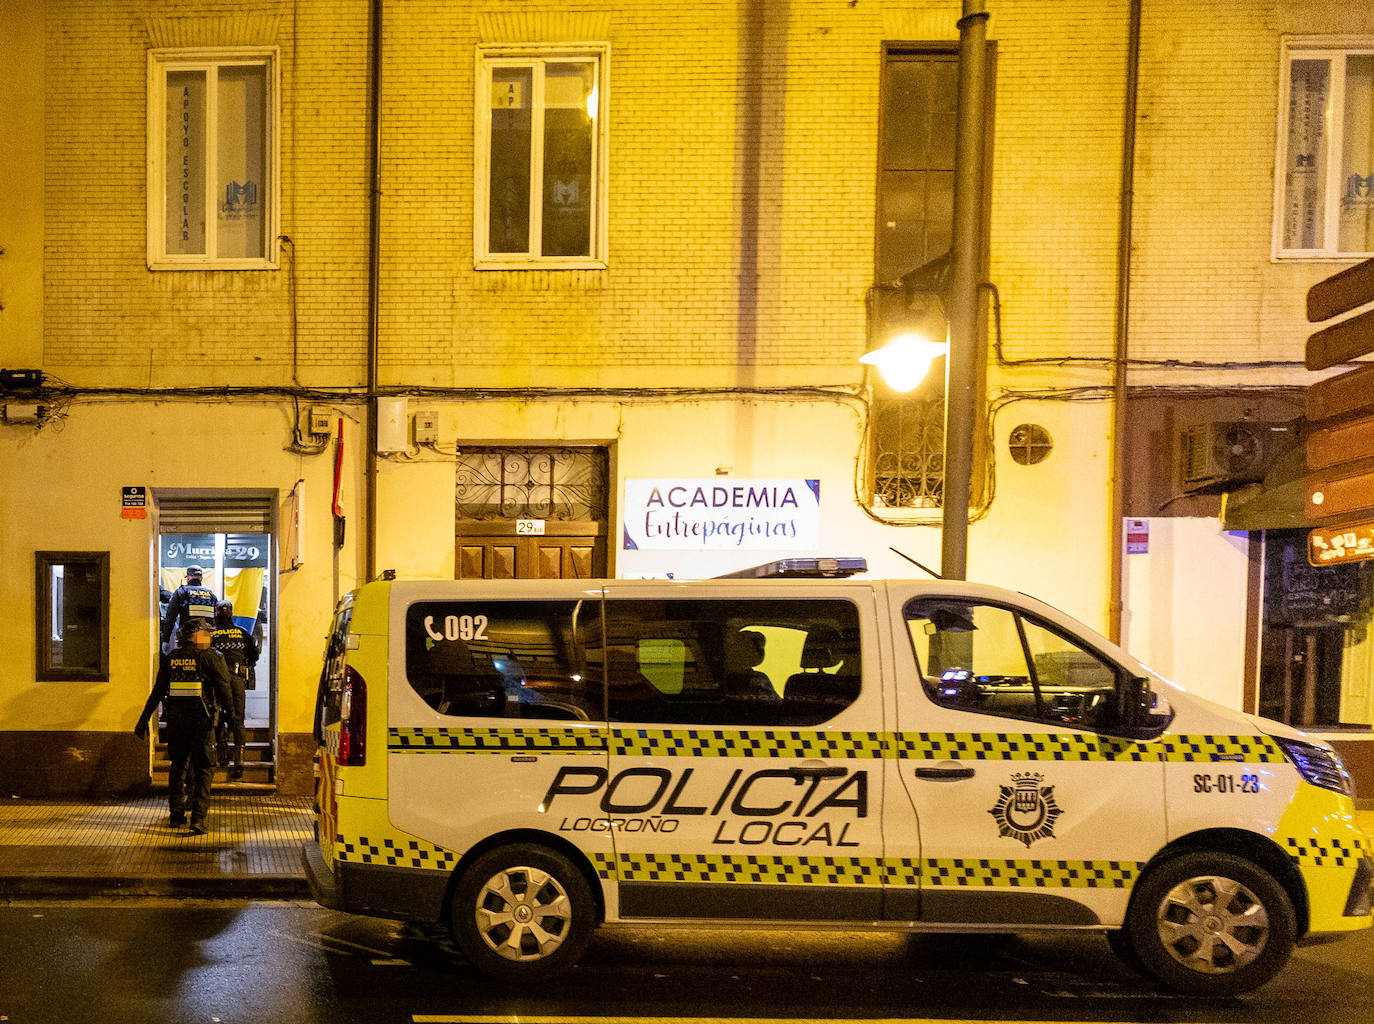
(905, 359)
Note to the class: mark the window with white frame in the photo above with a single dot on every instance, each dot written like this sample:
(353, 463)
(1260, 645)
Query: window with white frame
(541, 157)
(1325, 189)
(212, 159)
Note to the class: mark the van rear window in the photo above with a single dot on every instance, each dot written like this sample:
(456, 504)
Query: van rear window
(507, 659)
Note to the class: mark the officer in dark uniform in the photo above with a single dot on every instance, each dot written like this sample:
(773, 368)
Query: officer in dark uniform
(193, 684)
(191, 600)
(240, 652)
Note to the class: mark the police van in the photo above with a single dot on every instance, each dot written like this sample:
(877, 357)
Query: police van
(527, 760)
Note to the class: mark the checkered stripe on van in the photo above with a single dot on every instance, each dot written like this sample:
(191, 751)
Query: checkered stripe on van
(498, 741)
(741, 743)
(748, 869)
(1079, 746)
(395, 853)
(1241, 749)
(959, 872)
(1016, 746)
(1334, 854)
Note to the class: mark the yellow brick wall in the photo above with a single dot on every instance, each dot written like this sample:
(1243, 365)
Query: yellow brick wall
(1204, 283)
(108, 319)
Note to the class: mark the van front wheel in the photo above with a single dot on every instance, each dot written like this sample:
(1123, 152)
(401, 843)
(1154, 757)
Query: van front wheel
(522, 913)
(1211, 924)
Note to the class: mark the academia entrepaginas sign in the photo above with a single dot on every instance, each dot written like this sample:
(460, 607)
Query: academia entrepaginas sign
(722, 513)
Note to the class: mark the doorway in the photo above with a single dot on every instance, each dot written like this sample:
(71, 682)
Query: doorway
(231, 537)
(1316, 640)
(531, 513)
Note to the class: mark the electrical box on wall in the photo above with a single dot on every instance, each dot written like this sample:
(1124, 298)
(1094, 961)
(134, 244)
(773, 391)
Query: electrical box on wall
(391, 425)
(321, 422)
(426, 426)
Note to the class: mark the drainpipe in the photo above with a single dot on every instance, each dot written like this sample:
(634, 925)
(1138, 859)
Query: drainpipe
(374, 257)
(961, 373)
(1115, 602)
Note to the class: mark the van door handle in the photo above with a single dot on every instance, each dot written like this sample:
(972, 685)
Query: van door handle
(816, 771)
(945, 774)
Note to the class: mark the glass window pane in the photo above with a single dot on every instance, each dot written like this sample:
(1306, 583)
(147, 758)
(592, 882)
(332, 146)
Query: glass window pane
(768, 663)
(241, 177)
(1304, 187)
(568, 134)
(487, 659)
(185, 167)
(1357, 158)
(511, 127)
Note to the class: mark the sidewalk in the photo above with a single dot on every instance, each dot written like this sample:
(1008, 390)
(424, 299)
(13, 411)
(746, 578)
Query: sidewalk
(126, 847)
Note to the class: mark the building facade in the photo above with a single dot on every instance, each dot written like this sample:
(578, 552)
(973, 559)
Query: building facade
(602, 274)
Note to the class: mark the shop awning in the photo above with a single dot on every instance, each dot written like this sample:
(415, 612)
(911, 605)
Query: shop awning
(1276, 503)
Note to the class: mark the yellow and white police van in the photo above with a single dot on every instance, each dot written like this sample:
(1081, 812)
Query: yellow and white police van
(526, 760)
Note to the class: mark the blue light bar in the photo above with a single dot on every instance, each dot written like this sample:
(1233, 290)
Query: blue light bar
(800, 568)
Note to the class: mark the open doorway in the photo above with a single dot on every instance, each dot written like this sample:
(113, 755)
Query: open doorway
(231, 539)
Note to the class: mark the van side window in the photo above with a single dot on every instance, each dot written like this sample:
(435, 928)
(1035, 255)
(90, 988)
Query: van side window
(507, 659)
(731, 662)
(998, 661)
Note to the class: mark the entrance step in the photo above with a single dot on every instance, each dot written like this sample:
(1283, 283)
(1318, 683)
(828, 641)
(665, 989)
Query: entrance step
(259, 763)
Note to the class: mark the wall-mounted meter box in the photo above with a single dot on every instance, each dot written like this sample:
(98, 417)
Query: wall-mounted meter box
(321, 421)
(426, 426)
(392, 425)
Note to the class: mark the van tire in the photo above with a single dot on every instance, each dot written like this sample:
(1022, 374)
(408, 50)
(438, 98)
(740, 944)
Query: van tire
(1211, 924)
(522, 913)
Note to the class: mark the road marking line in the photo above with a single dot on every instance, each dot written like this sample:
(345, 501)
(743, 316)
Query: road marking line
(495, 1018)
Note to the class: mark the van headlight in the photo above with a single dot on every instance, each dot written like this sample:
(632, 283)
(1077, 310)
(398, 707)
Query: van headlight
(1317, 765)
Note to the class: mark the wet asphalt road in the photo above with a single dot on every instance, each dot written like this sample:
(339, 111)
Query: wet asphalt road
(227, 962)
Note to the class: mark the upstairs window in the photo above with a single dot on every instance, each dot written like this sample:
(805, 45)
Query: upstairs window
(541, 148)
(212, 159)
(1325, 188)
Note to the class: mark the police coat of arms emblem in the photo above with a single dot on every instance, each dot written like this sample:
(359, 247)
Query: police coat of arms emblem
(1026, 810)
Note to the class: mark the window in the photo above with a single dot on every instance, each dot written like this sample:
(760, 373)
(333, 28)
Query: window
(1325, 189)
(914, 234)
(731, 663)
(71, 609)
(997, 661)
(540, 179)
(507, 659)
(212, 159)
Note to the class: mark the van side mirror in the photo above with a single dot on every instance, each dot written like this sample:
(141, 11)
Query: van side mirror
(1143, 713)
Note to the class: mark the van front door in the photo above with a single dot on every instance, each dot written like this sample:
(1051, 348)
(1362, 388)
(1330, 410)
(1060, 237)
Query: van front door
(1030, 811)
(745, 754)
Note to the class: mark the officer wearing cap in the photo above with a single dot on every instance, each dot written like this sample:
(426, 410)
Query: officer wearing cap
(191, 600)
(193, 686)
(240, 652)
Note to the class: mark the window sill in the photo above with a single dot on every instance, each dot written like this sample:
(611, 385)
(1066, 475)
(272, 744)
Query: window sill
(167, 264)
(568, 263)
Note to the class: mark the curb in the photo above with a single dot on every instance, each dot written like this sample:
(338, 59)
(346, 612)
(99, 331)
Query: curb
(274, 887)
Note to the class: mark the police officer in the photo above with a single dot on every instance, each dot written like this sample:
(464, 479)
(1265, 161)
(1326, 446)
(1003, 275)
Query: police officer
(191, 600)
(240, 653)
(193, 684)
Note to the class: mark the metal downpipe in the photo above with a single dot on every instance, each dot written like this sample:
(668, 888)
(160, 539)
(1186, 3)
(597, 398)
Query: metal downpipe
(1116, 603)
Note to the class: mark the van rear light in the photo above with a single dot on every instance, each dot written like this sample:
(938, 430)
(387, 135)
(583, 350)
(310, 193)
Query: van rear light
(353, 720)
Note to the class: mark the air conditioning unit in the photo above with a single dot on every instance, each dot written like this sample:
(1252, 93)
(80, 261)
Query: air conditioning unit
(1226, 453)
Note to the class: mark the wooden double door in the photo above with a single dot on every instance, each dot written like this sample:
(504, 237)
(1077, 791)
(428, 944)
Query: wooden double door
(496, 550)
